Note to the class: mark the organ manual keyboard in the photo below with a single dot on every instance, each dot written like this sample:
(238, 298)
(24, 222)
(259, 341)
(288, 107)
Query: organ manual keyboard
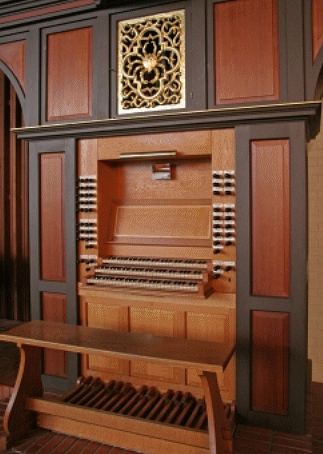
(136, 274)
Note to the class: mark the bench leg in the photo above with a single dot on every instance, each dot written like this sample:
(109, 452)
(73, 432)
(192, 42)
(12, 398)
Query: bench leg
(17, 420)
(220, 427)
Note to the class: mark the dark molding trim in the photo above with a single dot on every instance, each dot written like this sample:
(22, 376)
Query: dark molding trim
(206, 119)
(26, 12)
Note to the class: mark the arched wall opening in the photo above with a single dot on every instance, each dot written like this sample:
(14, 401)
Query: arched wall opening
(14, 235)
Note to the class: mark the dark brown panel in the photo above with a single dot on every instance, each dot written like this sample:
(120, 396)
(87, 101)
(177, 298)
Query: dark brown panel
(14, 56)
(69, 74)
(54, 310)
(52, 216)
(246, 51)
(317, 26)
(269, 362)
(270, 211)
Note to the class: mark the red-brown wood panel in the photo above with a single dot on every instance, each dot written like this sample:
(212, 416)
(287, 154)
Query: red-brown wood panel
(14, 56)
(317, 26)
(246, 51)
(69, 74)
(270, 235)
(269, 362)
(52, 217)
(54, 310)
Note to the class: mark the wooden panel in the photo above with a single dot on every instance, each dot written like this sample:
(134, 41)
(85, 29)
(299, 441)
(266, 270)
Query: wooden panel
(52, 217)
(269, 362)
(246, 51)
(99, 314)
(163, 223)
(54, 310)
(69, 74)
(317, 24)
(189, 143)
(158, 322)
(223, 149)
(270, 237)
(87, 157)
(217, 326)
(14, 56)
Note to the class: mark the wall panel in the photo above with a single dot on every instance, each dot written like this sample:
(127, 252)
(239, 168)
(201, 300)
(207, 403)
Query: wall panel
(69, 74)
(246, 51)
(270, 212)
(14, 56)
(269, 362)
(54, 310)
(52, 216)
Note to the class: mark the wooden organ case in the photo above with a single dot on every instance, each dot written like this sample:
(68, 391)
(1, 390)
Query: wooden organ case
(156, 254)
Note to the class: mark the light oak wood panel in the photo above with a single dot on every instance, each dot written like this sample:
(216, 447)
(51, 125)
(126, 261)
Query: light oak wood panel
(269, 362)
(270, 210)
(317, 27)
(54, 310)
(14, 56)
(223, 149)
(188, 143)
(246, 51)
(217, 325)
(87, 157)
(190, 179)
(97, 313)
(52, 216)
(162, 323)
(163, 223)
(69, 74)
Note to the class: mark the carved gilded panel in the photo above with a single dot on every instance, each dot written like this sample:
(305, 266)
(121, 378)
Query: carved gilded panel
(151, 66)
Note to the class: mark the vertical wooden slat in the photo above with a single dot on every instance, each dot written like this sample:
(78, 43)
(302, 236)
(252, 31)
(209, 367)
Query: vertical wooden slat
(54, 309)
(270, 210)
(269, 362)
(52, 216)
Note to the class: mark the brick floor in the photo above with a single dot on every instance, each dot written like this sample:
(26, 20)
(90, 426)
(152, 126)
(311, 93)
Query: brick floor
(247, 440)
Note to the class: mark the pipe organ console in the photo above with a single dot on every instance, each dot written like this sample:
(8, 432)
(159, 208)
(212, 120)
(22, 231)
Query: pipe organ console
(156, 247)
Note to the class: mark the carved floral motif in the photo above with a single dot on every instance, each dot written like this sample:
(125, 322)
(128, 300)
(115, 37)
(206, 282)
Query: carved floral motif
(152, 62)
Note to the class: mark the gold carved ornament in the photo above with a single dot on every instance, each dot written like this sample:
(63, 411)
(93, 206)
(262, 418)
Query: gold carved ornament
(152, 62)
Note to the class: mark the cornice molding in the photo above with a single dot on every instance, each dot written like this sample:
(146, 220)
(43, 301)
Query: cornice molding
(19, 12)
(207, 119)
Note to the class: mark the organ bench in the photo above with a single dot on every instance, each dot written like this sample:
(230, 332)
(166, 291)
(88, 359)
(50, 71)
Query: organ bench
(28, 406)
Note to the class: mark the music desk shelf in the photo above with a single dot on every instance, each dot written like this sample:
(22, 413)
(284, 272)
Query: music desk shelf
(208, 358)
